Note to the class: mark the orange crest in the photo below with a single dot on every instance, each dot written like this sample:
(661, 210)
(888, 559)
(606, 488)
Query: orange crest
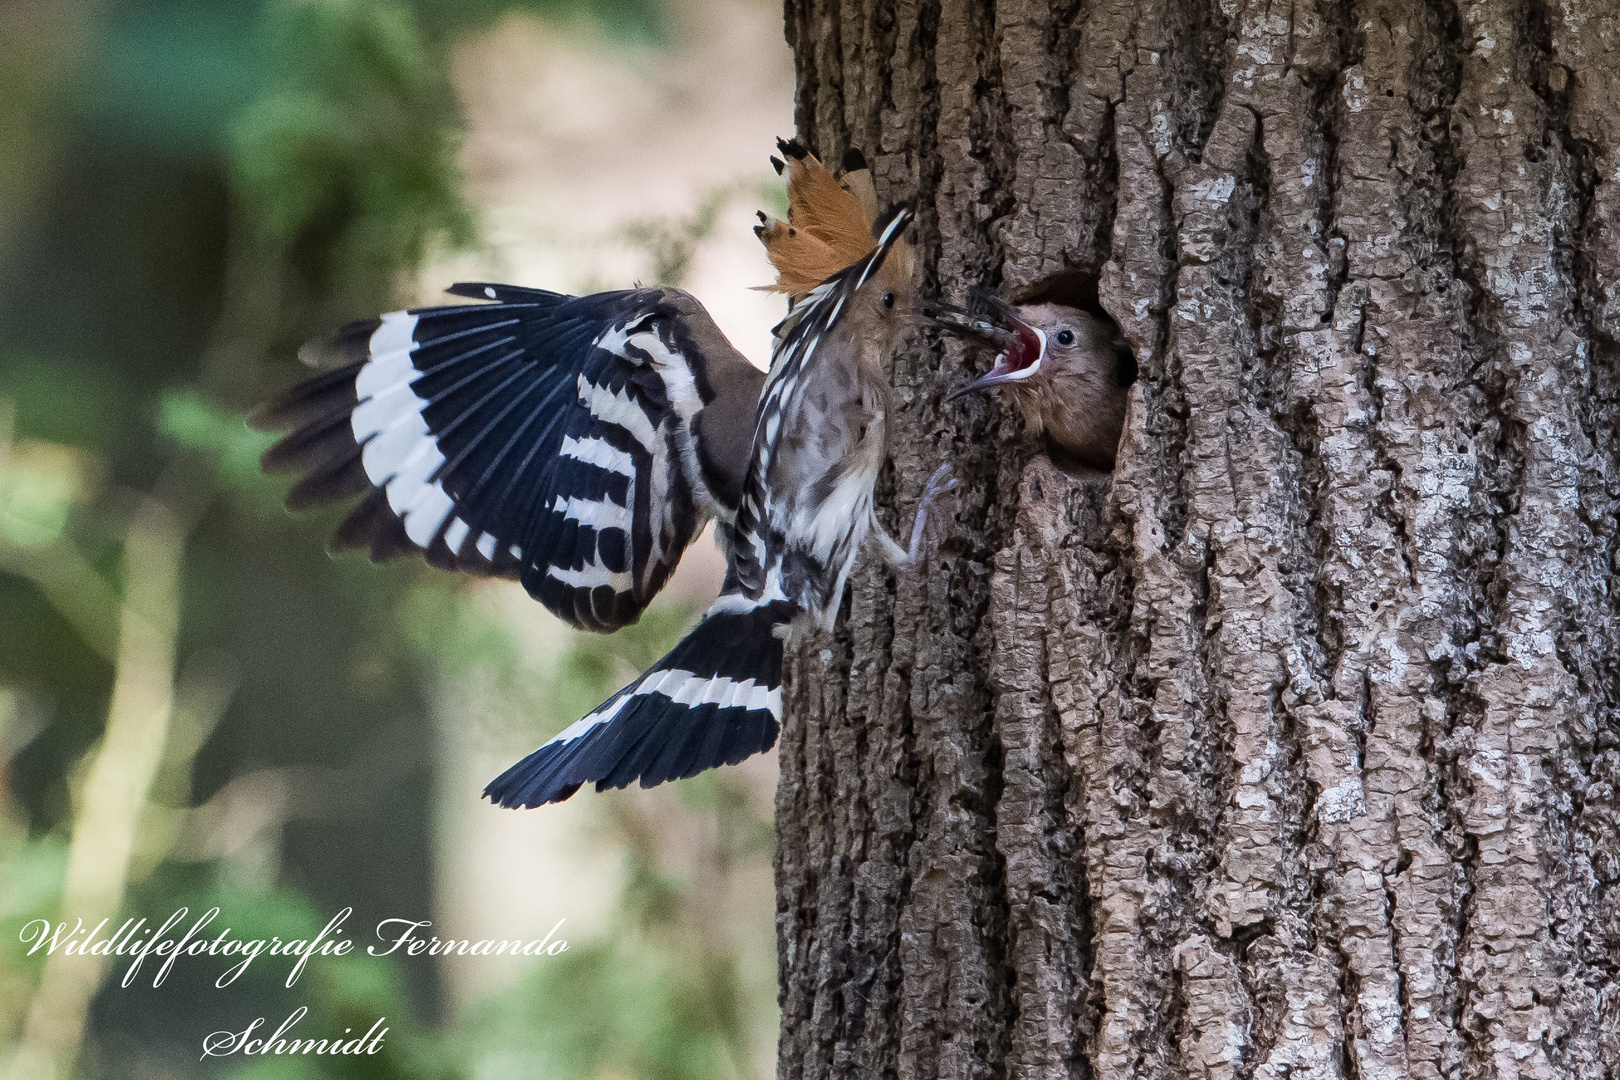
(829, 223)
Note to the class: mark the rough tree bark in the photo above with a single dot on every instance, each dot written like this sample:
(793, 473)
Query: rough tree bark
(1290, 749)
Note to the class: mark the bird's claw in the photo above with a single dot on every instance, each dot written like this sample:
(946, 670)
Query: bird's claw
(941, 482)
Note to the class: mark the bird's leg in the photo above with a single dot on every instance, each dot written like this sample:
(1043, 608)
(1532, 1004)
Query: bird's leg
(902, 557)
(940, 483)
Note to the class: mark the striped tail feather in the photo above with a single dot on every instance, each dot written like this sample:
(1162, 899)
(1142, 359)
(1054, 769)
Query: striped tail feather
(714, 700)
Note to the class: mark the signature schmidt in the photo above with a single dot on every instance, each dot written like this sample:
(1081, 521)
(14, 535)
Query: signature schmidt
(244, 1042)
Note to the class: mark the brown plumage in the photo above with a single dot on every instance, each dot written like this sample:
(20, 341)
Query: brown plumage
(821, 435)
(829, 225)
(1069, 371)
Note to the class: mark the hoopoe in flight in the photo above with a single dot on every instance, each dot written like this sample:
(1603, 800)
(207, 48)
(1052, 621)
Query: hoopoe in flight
(579, 444)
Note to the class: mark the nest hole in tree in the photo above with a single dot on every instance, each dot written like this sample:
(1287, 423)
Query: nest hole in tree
(1080, 289)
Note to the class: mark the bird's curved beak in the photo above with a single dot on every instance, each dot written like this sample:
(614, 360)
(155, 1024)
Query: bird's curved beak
(981, 328)
(1020, 347)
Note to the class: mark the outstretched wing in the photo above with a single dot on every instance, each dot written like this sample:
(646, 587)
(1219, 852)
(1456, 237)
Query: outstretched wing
(543, 437)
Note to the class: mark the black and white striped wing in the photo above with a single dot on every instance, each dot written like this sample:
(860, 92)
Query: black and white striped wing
(756, 534)
(543, 437)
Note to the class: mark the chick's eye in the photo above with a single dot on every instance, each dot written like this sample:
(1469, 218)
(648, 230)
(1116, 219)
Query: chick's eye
(1065, 337)
(888, 299)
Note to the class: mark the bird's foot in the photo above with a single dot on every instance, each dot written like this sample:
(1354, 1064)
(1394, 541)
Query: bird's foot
(902, 558)
(939, 484)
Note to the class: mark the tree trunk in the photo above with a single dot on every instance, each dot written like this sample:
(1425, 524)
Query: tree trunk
(1289, 749)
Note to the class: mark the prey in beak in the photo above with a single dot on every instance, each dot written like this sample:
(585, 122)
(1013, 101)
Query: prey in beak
(1020, 348)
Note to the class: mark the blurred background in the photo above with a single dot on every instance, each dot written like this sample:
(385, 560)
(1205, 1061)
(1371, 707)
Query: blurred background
(199, 707)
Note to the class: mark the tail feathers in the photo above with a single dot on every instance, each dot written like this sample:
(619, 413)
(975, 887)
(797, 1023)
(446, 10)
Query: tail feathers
(714, 700)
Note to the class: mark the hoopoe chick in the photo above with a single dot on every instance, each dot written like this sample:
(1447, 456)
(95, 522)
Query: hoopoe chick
(1068, 370)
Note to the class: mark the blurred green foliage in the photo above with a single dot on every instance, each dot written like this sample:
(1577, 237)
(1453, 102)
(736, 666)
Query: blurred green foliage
(191, 189)
(345, 162)
(191, 422)
(347, 993)
(672, 242)
(626, 1005)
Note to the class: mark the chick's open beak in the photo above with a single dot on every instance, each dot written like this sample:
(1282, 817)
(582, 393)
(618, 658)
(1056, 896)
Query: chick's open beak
(1020, 347)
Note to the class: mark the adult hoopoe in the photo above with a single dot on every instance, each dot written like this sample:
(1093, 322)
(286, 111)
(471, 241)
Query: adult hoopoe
(579, 444)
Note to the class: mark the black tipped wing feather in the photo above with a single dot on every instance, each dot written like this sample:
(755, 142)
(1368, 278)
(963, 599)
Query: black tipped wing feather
(540, 436)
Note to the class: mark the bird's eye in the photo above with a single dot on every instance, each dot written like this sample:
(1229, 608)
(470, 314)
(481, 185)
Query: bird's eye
(1065, 337)
(888, 299)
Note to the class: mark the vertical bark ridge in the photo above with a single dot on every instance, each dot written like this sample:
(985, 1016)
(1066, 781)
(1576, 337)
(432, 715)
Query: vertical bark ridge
(1509, 198)
(1290, 749)
(1048, 170)
(956, 998)
(1584, 71)
(1581, 49)
(1586, 643)
(1138, 798)
(1036, 612)
(1357, 712)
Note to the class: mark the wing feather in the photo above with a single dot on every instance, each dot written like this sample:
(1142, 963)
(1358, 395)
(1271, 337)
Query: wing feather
(537, 436)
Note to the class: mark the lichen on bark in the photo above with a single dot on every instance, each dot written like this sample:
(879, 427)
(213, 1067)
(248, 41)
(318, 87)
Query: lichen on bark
(1290, 748)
